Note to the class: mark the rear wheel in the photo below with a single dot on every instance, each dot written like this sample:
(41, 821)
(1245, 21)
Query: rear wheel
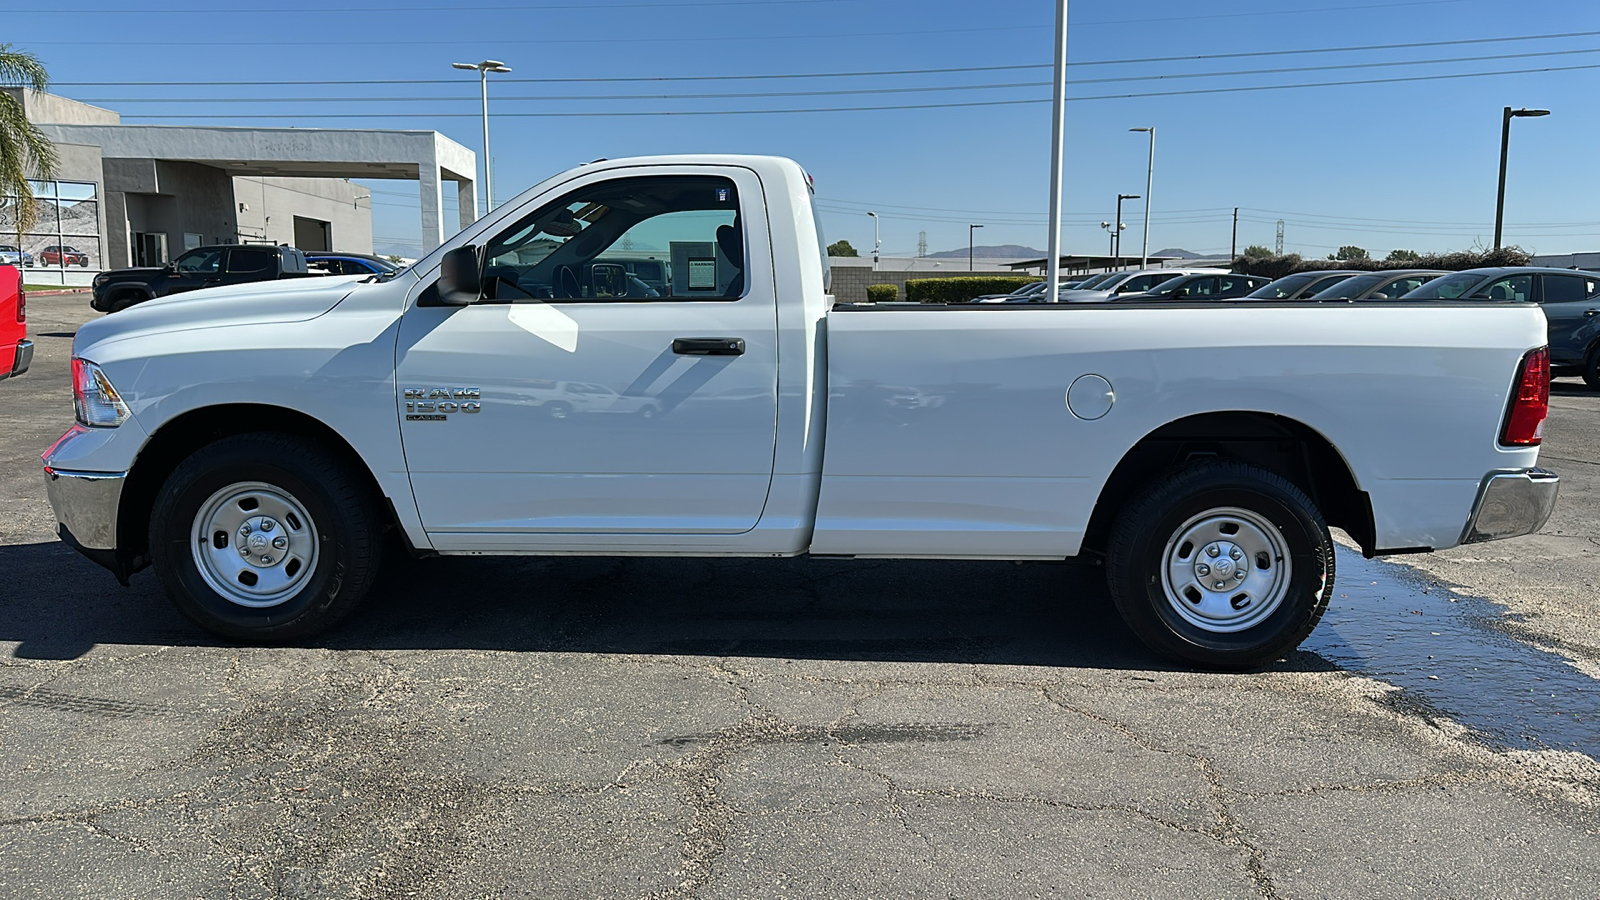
(264, 537)
(1591, 368)
(1221, 564)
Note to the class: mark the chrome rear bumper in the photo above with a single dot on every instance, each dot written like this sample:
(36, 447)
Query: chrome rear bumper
(1511, 503)
(21, 361)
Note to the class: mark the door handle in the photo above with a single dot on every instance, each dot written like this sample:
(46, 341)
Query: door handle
(708, 346)
(1591, 313)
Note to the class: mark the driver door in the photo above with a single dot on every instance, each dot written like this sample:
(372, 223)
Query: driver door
(569, 401)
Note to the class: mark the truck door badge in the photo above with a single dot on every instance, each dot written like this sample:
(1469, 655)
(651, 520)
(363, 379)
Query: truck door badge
(437, 404)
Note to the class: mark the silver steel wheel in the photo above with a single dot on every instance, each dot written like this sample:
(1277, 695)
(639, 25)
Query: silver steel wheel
(1226, 570)
(254, 544)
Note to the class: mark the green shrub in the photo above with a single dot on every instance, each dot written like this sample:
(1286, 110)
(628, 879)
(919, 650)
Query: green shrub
(962, 289)
(1279, 266)
(882, 293)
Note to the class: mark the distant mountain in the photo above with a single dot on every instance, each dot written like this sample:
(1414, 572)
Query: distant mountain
(1002, 251)
(1178, 253)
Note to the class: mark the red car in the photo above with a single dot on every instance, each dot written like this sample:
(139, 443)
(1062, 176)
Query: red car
(62, 255)
(16, 351)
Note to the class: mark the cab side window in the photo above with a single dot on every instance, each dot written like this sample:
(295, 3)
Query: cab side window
(672, 237)
(200, 262)
(244, 262)
(1568, 288)
(1515, 287)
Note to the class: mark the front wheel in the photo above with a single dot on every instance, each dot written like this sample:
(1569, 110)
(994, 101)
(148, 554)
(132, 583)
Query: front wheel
(1591, 368)
(1222, 564)
(264, 537)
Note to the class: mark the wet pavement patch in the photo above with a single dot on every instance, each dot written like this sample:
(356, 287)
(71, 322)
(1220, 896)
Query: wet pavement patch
(1446, 652)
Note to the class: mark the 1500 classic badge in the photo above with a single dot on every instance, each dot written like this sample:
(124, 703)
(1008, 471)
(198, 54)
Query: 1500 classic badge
(436, 405)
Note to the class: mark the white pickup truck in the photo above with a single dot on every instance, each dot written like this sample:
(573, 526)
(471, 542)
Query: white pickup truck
(641, 357)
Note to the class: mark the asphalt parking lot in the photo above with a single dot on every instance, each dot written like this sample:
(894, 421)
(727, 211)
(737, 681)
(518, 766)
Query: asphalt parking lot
(793, 728)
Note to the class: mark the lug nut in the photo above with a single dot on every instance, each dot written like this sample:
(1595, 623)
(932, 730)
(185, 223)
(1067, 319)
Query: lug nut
(266, 560)
(266, 524)
(1239, 574)
(243, 550)
(1202, 570)
(1221, 585)
(280, 542)
(245, 528)
(1213, 550)
(1235, 553)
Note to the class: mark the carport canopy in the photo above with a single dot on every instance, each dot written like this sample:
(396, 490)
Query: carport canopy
(427, 157)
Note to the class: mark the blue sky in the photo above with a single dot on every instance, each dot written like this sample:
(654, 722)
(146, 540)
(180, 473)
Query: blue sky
(1399, 164)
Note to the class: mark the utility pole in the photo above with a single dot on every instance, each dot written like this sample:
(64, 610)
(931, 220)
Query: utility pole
(1233, 246)
(1058, 141)
(970, 229)
(922, 244)
(1280, 238)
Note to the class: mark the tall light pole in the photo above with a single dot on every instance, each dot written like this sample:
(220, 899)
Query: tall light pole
(1116, 231)
(1058, 136)
(484, 68)
(1149, 179)
(1505, 140)
(875, 242)
(970, 229)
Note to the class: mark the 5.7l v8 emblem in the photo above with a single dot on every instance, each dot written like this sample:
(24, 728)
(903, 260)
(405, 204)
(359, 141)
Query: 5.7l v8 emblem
(436, 404)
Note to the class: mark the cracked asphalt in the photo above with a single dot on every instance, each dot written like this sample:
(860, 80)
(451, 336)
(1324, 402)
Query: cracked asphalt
(773, 728)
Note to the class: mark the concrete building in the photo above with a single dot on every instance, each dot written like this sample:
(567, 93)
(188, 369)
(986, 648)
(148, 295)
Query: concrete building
(130, 195)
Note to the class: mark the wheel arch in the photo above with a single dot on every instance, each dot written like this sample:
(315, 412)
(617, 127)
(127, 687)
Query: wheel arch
(180, 437)
(1285, 446)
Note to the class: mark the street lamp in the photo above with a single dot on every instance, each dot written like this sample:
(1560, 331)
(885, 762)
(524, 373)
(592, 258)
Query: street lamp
(1116, 230)
(1149, 178)
(875, 242)
(970, 229)
(484, 68)
(1505, 139)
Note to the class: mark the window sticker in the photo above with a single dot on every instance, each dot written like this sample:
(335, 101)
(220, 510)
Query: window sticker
(703, 273)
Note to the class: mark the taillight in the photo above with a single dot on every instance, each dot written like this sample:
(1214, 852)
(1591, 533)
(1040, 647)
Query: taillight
(1530, 402)
(22, 304)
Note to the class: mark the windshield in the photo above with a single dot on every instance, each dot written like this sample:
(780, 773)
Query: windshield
(1093, 282)
(1287, 286)
(1351, 287)
(1450, 287)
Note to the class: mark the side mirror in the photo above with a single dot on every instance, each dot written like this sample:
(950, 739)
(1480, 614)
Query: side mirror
(1183, 292)
(171, 268)
(460, 279)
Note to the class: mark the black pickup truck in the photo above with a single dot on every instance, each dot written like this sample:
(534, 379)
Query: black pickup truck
(201, 267)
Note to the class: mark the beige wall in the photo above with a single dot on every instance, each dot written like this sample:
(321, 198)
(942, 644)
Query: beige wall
(274, 202)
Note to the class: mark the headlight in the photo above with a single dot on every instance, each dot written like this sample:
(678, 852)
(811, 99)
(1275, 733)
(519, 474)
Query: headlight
(100, 280)
(95, 401)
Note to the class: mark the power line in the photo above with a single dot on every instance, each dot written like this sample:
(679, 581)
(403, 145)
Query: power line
(838, 109)
(498, 42)
(1413, 45)
(853, 91)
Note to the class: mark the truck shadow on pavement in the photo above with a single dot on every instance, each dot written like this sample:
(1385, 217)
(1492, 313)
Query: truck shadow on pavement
(61, 607)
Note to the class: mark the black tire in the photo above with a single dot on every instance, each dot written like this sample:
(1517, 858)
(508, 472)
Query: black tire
(558, 410)
(348, 538)
(1159, 514)
(1591, 368)
(123, 300)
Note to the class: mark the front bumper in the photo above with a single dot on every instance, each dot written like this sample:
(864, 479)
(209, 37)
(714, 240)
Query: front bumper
(1511, 503)
(86, 506)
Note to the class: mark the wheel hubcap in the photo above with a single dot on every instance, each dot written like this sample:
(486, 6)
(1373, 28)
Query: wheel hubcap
(1226, 570)
(254, 544)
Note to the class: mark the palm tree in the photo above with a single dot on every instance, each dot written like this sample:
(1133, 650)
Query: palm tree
(24, 149)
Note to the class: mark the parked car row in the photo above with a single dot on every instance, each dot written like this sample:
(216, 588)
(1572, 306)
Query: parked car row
(1570, 298)
(226, 264)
